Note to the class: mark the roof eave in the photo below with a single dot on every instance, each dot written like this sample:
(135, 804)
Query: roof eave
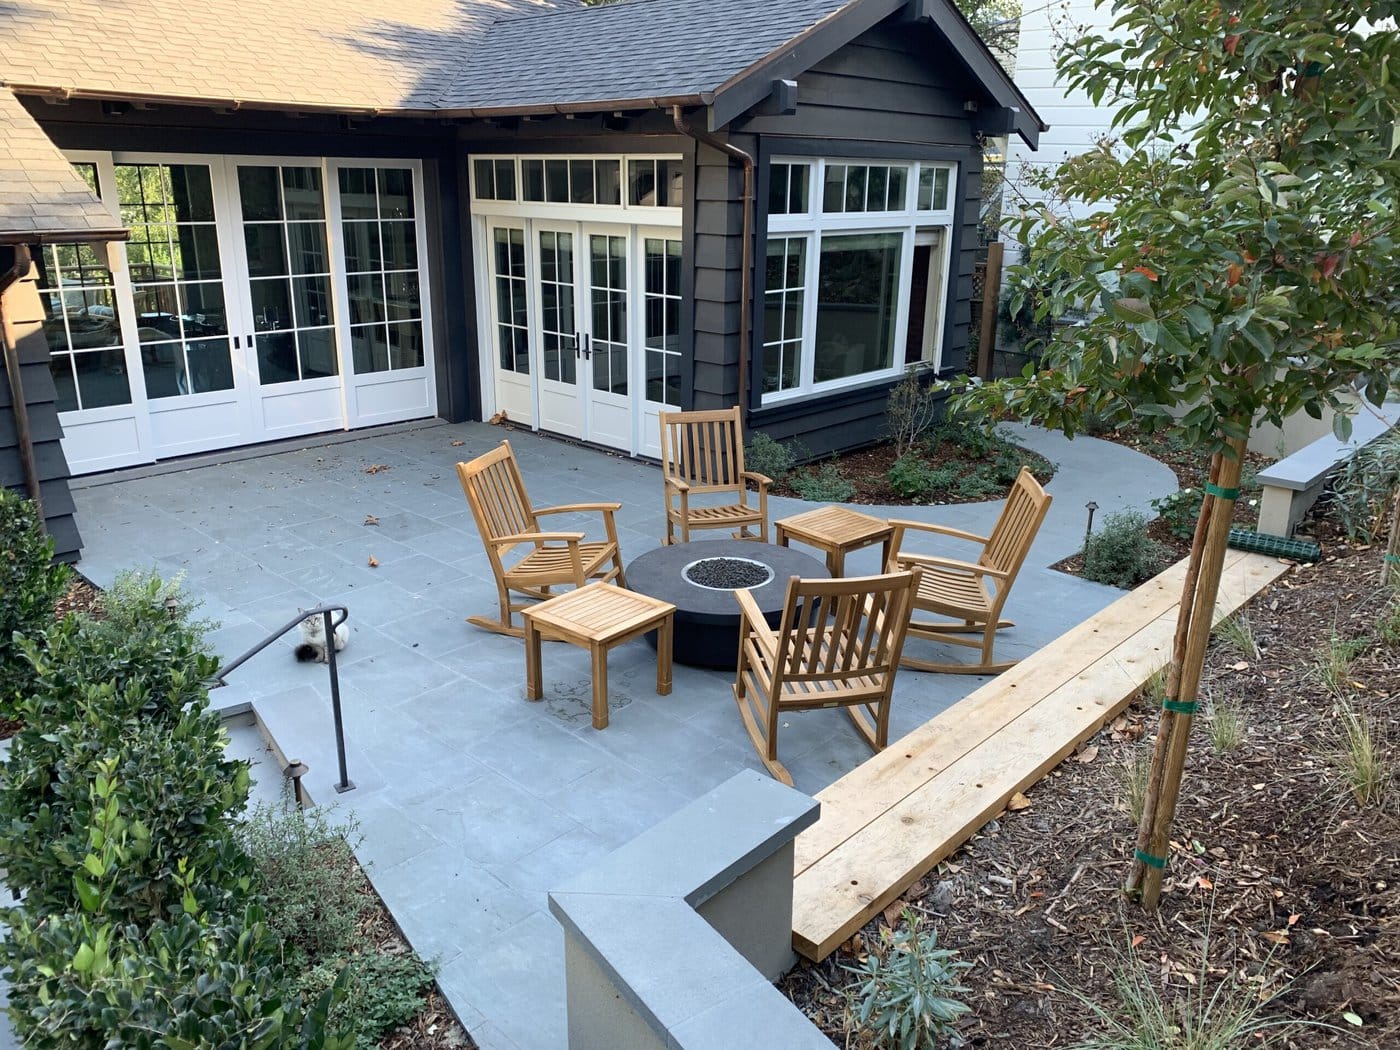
(61, 236)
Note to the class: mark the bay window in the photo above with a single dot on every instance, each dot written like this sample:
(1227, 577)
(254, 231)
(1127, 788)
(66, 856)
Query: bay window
(856, 272)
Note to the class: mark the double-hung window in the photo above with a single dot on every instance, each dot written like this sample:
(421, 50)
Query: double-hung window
(855, 279)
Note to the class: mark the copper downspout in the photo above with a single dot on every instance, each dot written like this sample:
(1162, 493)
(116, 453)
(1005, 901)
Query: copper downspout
(746, 288)
(23, 261)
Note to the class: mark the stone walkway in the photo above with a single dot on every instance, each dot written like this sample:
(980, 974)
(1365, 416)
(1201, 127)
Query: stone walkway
(472, 802)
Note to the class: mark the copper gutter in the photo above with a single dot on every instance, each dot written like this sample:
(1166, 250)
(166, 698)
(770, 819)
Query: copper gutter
(746, 255)
(25, 438)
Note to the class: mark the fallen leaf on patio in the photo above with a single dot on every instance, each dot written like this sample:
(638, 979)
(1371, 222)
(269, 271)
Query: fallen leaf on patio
(458, 444)
(373, 562)
(375, 468)
(1088, 754)
(370, 519)
(498, 419)
(1018, 802)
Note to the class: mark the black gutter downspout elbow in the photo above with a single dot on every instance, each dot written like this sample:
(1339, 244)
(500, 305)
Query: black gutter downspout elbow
(23, 261)
(746, 255)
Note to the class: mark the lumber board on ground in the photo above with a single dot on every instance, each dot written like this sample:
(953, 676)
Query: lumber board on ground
(843, 884)
(907, 764)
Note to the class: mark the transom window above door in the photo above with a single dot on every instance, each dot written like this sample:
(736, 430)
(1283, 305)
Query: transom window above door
(856, 271)
(603, 184)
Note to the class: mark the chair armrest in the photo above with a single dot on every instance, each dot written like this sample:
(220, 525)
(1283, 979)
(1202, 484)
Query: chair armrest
(950, 563)
(579, 508)
(678, 484)
(763, 481)
(945, 530)
(753, 616)
(538, 537)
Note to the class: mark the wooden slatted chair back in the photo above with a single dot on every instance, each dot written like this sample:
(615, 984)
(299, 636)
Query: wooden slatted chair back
(496, 494)
(846, 632)
(1011, 538)
(704, 449)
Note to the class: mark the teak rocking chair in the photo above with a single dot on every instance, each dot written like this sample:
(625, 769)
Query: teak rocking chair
(702, 453)
(972, 594)
(506, 520)
(837, 645)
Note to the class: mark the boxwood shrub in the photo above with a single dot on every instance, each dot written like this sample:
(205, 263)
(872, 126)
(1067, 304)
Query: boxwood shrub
(30, 586)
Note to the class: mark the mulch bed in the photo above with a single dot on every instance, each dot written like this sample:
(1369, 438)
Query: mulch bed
(868, 468)
(1278, 877)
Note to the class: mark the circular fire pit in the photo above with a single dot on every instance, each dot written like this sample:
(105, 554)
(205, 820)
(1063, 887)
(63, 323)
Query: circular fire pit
(700, 578)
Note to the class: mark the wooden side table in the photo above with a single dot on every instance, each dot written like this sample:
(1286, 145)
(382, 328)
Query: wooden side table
(596, 618)
(837, 531)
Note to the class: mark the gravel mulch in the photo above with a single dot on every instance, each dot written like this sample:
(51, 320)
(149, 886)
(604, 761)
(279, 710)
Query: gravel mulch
(1281, 884)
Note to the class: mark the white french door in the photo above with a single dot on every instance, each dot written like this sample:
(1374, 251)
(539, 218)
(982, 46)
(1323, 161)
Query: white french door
(260, 298)
(584, 335)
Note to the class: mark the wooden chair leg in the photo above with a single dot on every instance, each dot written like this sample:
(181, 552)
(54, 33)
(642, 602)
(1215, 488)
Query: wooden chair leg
(600, 686)
(502, 626)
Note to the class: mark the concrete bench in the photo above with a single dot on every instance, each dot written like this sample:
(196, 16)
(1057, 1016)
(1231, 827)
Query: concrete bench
(890, 820)
(674, 940)
(1293, 484)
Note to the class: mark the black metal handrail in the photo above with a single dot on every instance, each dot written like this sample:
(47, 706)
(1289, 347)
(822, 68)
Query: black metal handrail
(324, 611)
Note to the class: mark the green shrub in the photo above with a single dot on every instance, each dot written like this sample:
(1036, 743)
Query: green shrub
(911, 476)
(769, 457)
(908, 987)
(1180, 510)
(825, 485)
(305, 871)
(1121, 553)
(910, 410)
(124, 695)
(980, 484)
(30, 586)
(78, 982)
(1361, 491)
(383, 990)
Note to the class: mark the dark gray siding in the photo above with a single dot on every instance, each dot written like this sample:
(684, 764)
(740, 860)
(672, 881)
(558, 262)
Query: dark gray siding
(719, 224)
(888, 94)
(23, 320)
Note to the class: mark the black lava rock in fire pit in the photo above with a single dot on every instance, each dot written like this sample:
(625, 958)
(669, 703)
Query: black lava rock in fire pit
(728, 573)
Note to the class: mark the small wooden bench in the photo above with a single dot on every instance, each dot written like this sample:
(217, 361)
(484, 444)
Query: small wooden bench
(1293, 484)
(890, 820)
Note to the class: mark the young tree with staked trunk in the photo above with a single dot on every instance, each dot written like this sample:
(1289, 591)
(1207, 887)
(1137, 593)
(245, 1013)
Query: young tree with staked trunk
(1240, 263)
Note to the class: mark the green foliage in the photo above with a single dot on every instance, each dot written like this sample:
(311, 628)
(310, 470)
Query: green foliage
(1361, 491)
(1362, 757)
(766, 456)
(909, 988)
(910, 410)
(1227, 724)
(1244, 269)
(1121, 553)
(1180, 510)
(912, 477)
(305, 871)
(824, 485)
(181, 984)
(383, 990)
(1214, 1013)
(1132, 776)
(30, 585)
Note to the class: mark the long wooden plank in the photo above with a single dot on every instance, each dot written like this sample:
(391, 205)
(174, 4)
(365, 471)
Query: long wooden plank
(839, 893)
(908, 763)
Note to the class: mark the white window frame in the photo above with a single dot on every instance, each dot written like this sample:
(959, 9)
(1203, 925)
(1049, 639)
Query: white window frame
(814, 225)
(520, 208)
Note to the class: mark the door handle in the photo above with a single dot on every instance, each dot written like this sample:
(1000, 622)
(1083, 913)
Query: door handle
(587, 347)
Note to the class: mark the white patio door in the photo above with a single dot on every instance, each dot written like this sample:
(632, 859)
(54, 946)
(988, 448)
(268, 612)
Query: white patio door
(286, 309)
(607, 383)
(559, 329)
(181, 302)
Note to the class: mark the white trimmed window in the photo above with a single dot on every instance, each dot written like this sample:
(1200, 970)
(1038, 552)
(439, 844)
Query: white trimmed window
(650, 182)
(856, 273)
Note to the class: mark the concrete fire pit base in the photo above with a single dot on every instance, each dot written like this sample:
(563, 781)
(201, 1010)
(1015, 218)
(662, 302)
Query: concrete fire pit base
(707, 618)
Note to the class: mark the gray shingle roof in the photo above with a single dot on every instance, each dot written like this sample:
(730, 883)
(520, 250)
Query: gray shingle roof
(642, 49)
(41, 197)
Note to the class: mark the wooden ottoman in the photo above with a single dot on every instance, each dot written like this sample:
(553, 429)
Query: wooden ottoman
(598, 617)
(837, 531)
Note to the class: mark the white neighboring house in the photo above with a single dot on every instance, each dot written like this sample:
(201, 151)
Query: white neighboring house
(1075, 122)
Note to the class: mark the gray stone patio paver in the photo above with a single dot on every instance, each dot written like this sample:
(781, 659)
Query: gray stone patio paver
(472, 801)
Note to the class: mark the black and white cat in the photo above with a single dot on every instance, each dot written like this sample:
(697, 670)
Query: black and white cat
(313, 639)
